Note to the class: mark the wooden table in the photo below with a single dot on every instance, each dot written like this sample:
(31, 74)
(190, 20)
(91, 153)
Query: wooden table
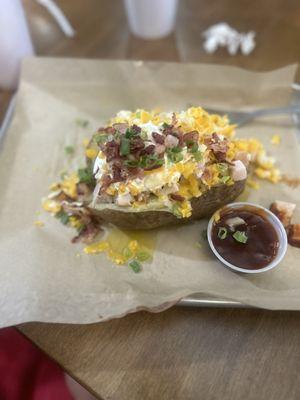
(181, 353)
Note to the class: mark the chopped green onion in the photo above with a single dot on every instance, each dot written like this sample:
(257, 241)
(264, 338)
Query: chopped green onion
(194, 147)
(176, 149)
(69, 150)
(131, 163)
(99, 139)
(165, 125)
(63, 217)
(198, 156)
(83, 123)
(222, 233)
(135, 266)
(130, 133)
(240, 236)
(144, 135)
(225, 179)
(143, 256)
(85, 175)
(127, 253)
(175, 154)
(223, 168)
(150, 161)
(125, 146)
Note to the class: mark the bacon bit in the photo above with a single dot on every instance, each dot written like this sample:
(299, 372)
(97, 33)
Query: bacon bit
(219, 147)
(292, 182)
(284, 211)
(176, 197)
(105, 182)
(136, 145)
(294, 235)
(136, 128)
(117, 173)
(192, 136)
(121, 127)
(111, 150)
(160, 139)
(148, 150)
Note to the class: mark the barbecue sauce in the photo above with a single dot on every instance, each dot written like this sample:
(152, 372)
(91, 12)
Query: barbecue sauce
(261, 244)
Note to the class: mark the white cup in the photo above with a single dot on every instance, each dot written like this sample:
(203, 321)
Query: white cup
(151, 19)
(15, 42)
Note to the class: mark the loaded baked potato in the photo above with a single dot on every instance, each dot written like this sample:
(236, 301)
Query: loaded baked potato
(153, 170)
(149, 169)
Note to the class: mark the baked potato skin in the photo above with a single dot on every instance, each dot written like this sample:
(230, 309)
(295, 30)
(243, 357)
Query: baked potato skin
(203, 206)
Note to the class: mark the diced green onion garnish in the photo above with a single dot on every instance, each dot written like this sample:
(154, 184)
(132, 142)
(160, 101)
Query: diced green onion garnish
(240, 236)
(125, 146)
(99, 139)
(127, 253)
(222, 233)
(143, 256)
(130, 133)
(175, 154)
(135, 266)
(198, 156)
(83, 123)
(85, 175)
(69, 150)
(225, 179)
(63, 217)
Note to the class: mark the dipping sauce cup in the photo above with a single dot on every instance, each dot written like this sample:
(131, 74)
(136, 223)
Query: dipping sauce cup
(247, 238)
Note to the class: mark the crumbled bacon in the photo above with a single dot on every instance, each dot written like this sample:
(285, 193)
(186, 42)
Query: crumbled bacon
(148, 150)
(219, 147)
(189, 137)
(111, 150)
(136, 128)
(176, 197)
(106, 180)
(158, 138)
(136, 145)
(117, 173)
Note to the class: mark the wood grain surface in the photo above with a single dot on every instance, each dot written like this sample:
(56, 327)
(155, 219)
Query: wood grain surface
(181, 353)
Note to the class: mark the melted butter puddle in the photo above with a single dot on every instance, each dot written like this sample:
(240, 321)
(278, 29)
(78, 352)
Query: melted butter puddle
(122, 246)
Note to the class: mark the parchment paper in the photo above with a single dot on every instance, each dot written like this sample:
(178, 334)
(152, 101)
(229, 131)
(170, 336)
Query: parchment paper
(43, 276)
